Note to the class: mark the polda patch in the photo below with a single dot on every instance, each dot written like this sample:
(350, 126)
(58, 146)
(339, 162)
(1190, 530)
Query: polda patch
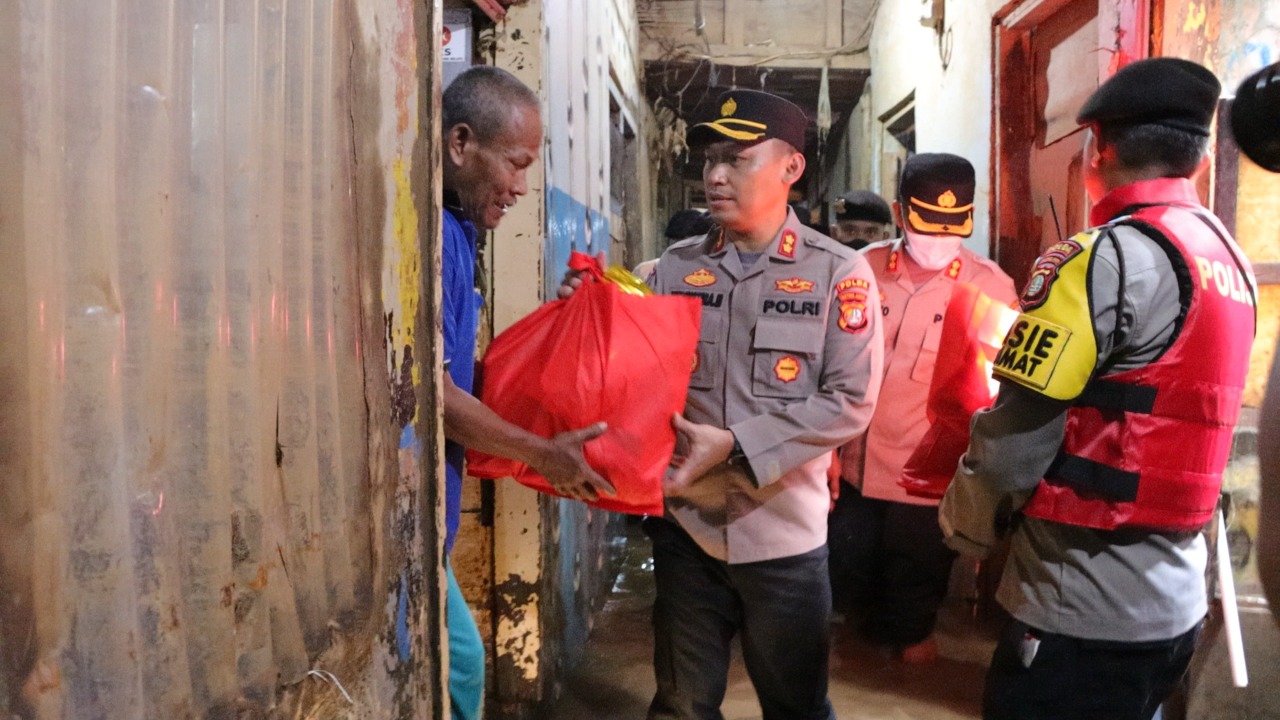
(1046, 270)
(851, 294)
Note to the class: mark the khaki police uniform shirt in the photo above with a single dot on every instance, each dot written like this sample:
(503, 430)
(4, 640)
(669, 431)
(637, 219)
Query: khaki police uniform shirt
(790, 359)
(912, 334)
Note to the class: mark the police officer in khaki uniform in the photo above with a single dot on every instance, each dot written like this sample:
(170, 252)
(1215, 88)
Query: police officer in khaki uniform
(788, 367)
(886, 548)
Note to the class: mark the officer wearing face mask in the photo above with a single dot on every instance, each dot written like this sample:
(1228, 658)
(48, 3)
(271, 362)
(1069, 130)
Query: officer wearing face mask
(887, 551)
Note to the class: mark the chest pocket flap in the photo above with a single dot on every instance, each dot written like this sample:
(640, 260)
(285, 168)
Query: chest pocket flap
(709, 360)
(787, 354)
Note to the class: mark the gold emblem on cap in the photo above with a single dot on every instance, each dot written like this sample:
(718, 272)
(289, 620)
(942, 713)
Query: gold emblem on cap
(947, 199)
(728, 108)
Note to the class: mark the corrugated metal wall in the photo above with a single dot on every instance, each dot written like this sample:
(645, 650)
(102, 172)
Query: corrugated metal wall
(210, 283)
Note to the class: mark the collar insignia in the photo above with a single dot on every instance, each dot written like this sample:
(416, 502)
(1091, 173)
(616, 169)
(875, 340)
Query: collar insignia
(787, 245)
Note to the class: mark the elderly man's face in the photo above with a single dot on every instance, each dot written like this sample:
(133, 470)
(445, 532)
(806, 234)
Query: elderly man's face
(492, 174)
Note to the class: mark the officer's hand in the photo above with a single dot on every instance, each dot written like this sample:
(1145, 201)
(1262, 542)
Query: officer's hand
(564, 466)
(707, 446)
(573, 279)
(833, 478)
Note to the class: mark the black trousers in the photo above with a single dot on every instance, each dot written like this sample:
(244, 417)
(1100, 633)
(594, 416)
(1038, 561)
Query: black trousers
(780, 607)
(890, 558)
(1037, 675)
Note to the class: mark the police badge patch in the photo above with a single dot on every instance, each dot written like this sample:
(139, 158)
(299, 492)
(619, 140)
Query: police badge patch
(851, 293)
(1046, 271)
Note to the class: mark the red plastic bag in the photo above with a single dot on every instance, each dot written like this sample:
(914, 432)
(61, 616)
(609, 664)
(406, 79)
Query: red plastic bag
(973, 330)
(605, 355)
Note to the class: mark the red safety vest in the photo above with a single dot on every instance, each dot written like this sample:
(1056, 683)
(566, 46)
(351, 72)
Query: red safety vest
(1146, 448)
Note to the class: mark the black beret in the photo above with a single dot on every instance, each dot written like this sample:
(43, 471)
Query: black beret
(750, 116)
(1158, 91)
(863, 205)
(1255, 117)
(936, 192)
(688, 223)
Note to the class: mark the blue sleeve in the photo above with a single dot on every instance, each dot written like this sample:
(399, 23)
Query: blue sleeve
(451, 292)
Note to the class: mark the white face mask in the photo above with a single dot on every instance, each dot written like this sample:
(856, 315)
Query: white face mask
(933, 252)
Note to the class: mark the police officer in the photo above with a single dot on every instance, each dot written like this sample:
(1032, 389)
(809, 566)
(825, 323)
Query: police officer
(1121, 385)
(862, 218)
(886, 548)
(788, 367)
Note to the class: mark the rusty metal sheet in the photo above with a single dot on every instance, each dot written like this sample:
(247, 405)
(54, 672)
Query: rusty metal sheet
(207, 495)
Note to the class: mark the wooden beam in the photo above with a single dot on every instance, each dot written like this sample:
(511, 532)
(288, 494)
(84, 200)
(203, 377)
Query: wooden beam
(733, 15)
(763, 56)
(1267, 273)
(835, 23)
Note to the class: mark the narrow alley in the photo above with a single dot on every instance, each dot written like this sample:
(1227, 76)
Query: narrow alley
(615, 678)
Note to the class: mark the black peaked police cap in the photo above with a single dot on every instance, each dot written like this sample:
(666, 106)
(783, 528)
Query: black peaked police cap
(936, 192)
(750, 116)
(1158, 91)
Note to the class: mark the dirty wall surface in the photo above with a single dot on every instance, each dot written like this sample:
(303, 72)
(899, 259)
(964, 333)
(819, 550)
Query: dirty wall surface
(216, 346)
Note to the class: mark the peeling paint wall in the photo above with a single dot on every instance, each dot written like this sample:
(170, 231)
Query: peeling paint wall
(551, 562)
(213, 330)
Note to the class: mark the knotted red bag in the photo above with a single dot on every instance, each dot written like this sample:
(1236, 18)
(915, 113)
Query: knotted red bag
(973, 329)
(601, 354)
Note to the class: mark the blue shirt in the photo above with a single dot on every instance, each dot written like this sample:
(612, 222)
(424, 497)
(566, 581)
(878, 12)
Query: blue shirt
(460, 306)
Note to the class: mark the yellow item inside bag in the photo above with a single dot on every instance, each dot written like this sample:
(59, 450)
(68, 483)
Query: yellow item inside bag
(626, 281)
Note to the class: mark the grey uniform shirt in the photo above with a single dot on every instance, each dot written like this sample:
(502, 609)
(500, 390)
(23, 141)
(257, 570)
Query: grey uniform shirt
(790, 359)
(1120, 585)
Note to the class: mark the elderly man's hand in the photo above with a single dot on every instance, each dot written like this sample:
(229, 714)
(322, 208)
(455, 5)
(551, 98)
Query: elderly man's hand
(563, 465)
(707, 445)
(573, 279)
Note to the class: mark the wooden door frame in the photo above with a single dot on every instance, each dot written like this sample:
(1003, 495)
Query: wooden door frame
(1123, 29)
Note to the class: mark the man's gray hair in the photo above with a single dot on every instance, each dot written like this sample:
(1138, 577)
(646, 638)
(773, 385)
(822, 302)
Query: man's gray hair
(482, 98)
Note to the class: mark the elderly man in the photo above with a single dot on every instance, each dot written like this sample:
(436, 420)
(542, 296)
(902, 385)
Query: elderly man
(1121, 385)
(788, 367)
(492, 134)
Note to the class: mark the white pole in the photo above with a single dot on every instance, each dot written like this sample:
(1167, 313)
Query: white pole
(1230, 611)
